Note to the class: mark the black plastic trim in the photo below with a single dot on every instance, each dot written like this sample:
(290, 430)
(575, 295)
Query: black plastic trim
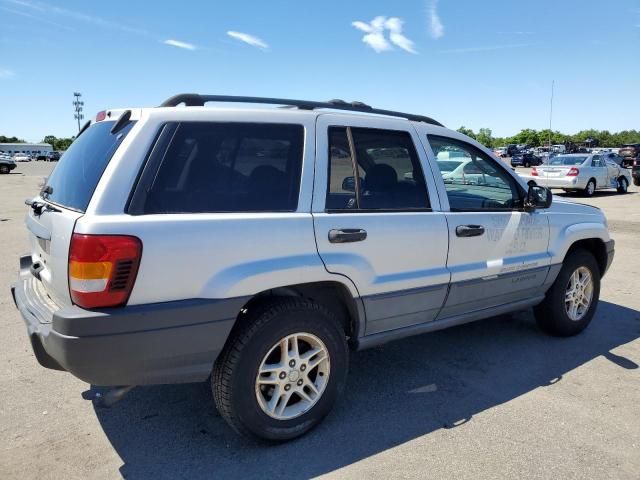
(197, 100)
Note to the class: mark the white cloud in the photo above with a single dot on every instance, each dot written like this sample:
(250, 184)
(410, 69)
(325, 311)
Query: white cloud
(179, 44)
(394, 25)
(248, 39)
(4, 73)
(436, 29)
(49, 10)
(375, 34)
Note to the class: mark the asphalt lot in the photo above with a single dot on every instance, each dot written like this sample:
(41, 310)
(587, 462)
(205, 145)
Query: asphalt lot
(492, 399)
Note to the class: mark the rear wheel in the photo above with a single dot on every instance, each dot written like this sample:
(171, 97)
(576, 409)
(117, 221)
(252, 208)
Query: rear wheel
(572, 299)
(282, 371)
(623, 185)
(527, 164)
(590, 189)
(636, 181)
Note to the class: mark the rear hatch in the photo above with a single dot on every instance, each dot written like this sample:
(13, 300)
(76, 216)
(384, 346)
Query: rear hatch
(63, 199)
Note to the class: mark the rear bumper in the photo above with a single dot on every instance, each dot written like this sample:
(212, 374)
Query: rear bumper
(568, 183)
(171, 342)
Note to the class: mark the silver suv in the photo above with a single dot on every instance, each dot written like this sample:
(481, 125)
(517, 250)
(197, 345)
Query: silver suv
(255, 247)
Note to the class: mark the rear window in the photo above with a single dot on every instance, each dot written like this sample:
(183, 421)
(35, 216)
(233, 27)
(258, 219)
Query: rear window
(227, 167)
(567, 160)
(73, 181)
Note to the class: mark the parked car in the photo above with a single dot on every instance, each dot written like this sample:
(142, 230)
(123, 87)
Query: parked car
(500, 152)
(21, 157)
(42, 157)
(6, 164)
(635, 172)
(164, 249)
(629, 153)
(525, 160)
(579, 172)
(53, 156)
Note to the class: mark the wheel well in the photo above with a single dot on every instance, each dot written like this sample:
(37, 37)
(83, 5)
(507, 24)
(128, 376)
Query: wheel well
(332, 295)
(596, 247)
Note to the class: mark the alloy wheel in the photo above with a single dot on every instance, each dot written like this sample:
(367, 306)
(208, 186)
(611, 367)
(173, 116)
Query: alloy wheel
(579, 294)
(292, 376)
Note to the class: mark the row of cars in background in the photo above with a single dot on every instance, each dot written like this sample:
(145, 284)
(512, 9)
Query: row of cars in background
(8, 162)
(26, 157)
(521, 155)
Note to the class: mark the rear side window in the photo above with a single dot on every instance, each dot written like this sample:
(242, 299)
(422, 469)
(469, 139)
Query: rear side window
(389, 173)
(73, 181)
(227, 167)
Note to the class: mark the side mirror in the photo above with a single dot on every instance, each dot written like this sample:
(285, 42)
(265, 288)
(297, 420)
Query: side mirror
(538, 197)
(349, 184)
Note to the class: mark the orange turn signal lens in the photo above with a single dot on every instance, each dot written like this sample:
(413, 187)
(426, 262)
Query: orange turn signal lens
(89, 270)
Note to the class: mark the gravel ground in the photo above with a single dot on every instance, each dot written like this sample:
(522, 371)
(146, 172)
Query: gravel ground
(493, 399)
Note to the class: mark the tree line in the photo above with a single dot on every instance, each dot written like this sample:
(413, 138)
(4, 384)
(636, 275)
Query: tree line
(537, 138)
(55, 142)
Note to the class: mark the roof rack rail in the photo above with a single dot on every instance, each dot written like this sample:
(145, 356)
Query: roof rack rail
(197, 100)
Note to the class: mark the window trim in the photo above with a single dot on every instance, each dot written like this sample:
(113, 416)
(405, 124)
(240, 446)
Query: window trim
(160, 147)
(354, 168)
(498, 165)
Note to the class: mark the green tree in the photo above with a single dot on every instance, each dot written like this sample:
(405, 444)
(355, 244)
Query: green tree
(484, 137)
(50, 139)
(466, 131)
(4, 139)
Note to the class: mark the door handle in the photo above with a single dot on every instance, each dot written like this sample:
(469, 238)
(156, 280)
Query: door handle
(346, 235)
(469, 230)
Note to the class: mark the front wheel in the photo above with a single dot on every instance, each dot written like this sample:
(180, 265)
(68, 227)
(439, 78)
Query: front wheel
(623, 185)
(572, 299)
(4, 169)
(282, 371)
(636, 181)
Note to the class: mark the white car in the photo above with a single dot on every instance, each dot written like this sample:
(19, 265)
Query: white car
(21, 157)
(252, 248)
(581, 172)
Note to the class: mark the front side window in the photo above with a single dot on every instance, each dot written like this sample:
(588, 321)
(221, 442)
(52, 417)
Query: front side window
(228, 167)
(478, 182)
(389, 175)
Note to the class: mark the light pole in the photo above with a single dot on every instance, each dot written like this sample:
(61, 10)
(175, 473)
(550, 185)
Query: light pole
(78, 106)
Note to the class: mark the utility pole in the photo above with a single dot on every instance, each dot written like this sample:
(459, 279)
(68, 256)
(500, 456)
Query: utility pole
(78, 107)
(550, 116)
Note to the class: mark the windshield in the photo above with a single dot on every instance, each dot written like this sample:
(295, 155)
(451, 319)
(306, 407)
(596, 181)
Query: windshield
(72, 182)
(567, 160)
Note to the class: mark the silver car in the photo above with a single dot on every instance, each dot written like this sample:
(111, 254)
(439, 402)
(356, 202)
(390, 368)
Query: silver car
(581, 172)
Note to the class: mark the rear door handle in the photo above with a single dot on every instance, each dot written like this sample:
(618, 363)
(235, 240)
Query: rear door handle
(346, 235)
(469, 230)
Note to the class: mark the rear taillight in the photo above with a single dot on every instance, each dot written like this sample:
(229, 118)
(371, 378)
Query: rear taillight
(573, 172)
(534, 172)
(102, 269)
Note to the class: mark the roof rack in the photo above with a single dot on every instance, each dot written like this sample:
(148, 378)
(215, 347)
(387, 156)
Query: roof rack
(197, 100)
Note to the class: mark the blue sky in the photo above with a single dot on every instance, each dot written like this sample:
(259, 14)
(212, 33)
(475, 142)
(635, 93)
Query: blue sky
(478, 64)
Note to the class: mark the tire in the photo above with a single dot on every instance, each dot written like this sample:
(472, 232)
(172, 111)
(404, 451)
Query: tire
(255, 343)
(623, 185)
(4, 169)
(552, 314)
(590, 189)
(636, 181)
(527, 164)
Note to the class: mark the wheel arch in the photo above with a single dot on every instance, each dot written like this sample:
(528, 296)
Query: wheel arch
(596, 247)
(332, 294)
